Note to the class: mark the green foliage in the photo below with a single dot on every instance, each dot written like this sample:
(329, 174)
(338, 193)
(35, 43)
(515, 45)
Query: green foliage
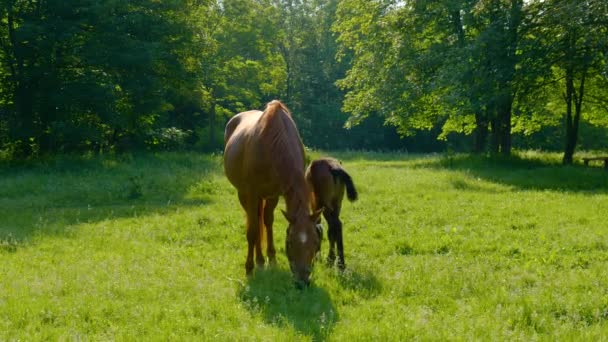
(100, 75)
(473, 67)
(88, 75)
(105, 75)
(488, 249)
(170, 138)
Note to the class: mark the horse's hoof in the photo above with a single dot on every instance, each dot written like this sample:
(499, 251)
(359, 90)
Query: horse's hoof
(248, 269)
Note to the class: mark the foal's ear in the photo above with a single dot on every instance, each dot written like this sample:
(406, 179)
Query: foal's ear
(289, 218)
(315, 216)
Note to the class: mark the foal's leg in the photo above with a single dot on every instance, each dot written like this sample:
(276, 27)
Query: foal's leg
(338, 227)
(335, 240)
(335, 236)
(331, 235)
(271, 203)
(252, 229)
(341, 264)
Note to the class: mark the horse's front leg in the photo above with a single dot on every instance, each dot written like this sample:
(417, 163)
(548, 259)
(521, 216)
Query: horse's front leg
(252, 229)
(259, 209)
(271, 204)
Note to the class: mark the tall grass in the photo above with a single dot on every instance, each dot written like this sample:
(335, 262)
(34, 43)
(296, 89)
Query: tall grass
(152, 247)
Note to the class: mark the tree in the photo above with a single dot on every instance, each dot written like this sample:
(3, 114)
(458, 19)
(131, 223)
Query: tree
(422, 63)
(241, 67)
(577, 37)
(486, 67)
(82, 75)
(309, 49)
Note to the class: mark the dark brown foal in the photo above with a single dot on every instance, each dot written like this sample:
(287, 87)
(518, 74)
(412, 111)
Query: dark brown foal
(328, 181)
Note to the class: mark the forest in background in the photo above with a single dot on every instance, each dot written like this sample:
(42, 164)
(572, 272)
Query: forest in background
(483, 76)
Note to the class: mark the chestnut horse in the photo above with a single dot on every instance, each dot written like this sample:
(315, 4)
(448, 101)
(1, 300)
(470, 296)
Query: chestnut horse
(328, 180)
(264, 159)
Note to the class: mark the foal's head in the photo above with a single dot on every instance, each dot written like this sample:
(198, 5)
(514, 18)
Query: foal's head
(302, 243)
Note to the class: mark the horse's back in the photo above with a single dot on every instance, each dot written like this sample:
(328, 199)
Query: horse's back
(258, 147)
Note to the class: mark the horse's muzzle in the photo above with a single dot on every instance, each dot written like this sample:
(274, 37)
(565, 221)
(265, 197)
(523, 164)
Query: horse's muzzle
(301, 276)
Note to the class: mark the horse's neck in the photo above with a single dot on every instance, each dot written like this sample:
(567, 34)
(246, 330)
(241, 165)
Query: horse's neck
(295, 189)
(287, 157)
(297, 199)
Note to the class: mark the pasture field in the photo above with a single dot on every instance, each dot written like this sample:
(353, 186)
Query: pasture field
(152, 247)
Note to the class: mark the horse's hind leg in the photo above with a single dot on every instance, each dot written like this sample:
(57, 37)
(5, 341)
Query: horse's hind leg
(271, 204)
(252, 229)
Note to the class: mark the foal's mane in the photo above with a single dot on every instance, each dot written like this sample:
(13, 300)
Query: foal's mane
(287, 152)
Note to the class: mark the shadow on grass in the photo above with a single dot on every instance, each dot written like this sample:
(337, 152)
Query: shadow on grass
(47, 196)
(363, 282)
(526, 173)
(540, 172)
(353, 156)
(272, 293)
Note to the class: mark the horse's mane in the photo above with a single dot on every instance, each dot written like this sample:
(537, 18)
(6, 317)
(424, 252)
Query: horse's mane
(287, 152)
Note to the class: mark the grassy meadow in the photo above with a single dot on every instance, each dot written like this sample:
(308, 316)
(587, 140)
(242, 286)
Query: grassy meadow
(152, 247)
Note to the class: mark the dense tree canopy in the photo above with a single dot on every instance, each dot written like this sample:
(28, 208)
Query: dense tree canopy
(480, 75)
(472, 66)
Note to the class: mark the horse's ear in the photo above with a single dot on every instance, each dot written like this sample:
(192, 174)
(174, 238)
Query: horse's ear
(315, 216)
(287, 217)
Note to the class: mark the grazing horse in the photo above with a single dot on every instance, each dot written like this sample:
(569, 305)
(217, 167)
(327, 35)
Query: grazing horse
(328, 180)
(264, 159)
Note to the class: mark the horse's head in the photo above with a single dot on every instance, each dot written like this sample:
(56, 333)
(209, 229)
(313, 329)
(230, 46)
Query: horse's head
(302, 243)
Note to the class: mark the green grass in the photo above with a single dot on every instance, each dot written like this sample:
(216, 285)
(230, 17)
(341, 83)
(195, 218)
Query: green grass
(152, 247)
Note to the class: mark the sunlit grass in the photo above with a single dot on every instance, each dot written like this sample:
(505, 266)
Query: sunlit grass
(152, 247)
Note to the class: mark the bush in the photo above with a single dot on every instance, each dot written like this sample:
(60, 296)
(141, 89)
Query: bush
(168, 138)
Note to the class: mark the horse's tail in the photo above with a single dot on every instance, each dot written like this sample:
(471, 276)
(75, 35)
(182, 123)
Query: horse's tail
(262, 225)
(351, 191)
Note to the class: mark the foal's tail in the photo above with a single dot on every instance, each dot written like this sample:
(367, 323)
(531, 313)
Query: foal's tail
(351, 192)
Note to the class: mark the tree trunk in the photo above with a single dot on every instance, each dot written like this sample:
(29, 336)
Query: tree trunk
(505, 129)
(505, 88)
(481, 133)
(23, 126)
(212, 114)
(457, 21)
(572, 120)
(495, 137)
(570, 137)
